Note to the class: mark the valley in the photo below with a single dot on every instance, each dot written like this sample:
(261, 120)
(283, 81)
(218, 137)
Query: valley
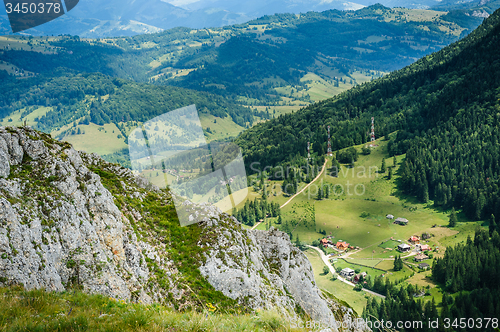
(205, 60)
(358, 217)
(412, 215)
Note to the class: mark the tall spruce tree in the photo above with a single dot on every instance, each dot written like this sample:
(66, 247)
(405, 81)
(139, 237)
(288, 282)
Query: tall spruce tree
(319, 196)
(453, 218)
(493, 225)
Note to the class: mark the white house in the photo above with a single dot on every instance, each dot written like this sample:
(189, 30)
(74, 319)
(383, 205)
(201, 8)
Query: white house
(347, 272)
(404, 247)
(401, 221)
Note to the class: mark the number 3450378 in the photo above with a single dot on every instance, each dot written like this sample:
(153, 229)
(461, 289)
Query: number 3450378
(33, 8)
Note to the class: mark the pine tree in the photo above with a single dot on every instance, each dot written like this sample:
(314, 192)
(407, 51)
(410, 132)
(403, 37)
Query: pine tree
(493, 225)
(398, 263)
(453, 218)
(481, 202)
(394, 161)
(425, 193)
(320, 194)
(389, 175)
(382, 169)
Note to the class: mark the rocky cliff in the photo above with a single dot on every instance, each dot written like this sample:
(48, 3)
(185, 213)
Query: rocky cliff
(69, 219)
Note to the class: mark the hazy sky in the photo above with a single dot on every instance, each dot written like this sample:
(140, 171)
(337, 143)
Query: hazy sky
(180, 3)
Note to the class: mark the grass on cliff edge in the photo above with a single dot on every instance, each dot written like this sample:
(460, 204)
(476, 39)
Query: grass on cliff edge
(38, 310)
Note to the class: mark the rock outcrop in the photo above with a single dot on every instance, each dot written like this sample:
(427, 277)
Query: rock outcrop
(59, 225)
(69, 218)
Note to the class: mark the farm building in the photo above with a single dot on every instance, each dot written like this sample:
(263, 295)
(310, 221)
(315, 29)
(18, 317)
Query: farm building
(420, 257)
(414, 239)
(404, 247)
(389, 216)
(359, 276)
(401, 221)
(347, 272)
(425, 247)
(324, 242)
(342, 245)
(424, 266)
(426, 236)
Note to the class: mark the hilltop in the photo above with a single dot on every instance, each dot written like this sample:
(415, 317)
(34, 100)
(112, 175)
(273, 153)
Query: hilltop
(98, 19)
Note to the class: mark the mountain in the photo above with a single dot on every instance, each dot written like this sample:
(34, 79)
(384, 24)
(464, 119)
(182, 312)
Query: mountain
(98, 19)
(255, 9)
(69, 219)
(445, 109)
(278, 60)
(237, 75)
(97, 112)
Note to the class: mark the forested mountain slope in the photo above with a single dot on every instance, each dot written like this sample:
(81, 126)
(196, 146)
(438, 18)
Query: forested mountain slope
(96, 112)
(446, 108)
(266, 60)
(101, 99)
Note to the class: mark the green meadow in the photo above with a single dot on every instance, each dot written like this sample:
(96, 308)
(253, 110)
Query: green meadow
(356, 212)
(362, 197)
(74, 310)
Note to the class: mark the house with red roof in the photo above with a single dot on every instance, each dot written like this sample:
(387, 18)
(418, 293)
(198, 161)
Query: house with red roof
(414, 239)
(342, 245)
(425, 247)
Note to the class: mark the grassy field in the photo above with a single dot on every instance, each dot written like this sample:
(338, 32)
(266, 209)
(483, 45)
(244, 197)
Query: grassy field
(99, 139)
(384, 268)
(366, 262)
(26, 44)
(358, 215)
(356, 212)
(77, 311)
(18, 119)
(220, 128)
(278, 110)
(319, 88)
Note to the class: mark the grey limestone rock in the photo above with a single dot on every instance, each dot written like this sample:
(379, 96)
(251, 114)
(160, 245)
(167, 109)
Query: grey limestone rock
(264, 270)
(4, 159)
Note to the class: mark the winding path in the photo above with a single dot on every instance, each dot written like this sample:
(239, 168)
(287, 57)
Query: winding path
(310, 183)
(291, 198)
(332, 270)
(255, 226)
